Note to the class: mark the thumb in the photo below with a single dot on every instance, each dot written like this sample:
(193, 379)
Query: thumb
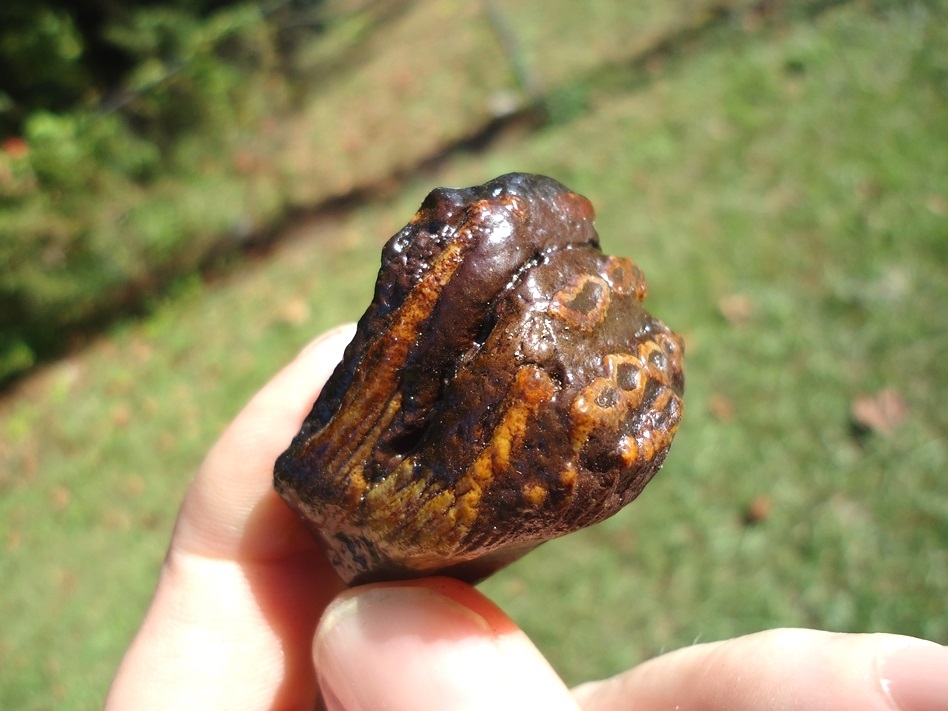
(429, 644)
(784, 669)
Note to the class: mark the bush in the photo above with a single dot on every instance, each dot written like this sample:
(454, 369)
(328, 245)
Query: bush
(81, 237)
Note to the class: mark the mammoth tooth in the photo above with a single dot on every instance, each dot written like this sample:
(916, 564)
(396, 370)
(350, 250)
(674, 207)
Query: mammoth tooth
(504, 387)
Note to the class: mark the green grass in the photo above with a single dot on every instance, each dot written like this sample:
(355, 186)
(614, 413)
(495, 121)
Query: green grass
(800, 166)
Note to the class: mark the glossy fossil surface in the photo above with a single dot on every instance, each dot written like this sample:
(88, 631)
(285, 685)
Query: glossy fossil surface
(504, 387)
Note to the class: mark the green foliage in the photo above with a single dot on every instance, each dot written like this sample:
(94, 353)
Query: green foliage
(192, 72)
(74, 153)
(58, 55)
(73, 237)
(41, 52)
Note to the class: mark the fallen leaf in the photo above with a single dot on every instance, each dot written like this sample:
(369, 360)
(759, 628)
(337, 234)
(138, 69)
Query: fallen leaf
(880, 413)
(721, 407)
(121, 415)
(736, 308)
(294, 312)
(15, 147)
(758, 510)
(937, 204)
(60, 497)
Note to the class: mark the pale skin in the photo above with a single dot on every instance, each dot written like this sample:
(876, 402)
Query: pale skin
(248, 614)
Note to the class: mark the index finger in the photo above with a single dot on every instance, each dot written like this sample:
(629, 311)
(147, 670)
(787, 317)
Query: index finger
(231, 510)
(243, 584)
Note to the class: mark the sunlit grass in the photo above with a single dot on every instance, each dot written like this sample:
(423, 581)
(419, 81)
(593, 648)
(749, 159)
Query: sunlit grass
(786, 191)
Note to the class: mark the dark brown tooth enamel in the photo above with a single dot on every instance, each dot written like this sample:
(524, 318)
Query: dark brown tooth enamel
(504, 387)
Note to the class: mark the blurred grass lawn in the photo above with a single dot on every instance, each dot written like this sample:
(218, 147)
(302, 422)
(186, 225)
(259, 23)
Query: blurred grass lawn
(785, 189)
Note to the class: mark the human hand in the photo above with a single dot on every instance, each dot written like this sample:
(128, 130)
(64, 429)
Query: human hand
(243, 584)
(235, 621)
(438, 645)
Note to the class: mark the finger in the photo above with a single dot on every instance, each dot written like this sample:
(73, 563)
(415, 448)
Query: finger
(243, 585)
(231, 508)
(433, 644)
(783, 670)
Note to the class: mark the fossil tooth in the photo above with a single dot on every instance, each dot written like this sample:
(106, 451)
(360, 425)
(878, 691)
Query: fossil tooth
(505, 387)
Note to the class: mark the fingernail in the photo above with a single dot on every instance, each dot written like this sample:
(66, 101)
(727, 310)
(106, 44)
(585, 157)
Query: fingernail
(916, 677)
(409, 647)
